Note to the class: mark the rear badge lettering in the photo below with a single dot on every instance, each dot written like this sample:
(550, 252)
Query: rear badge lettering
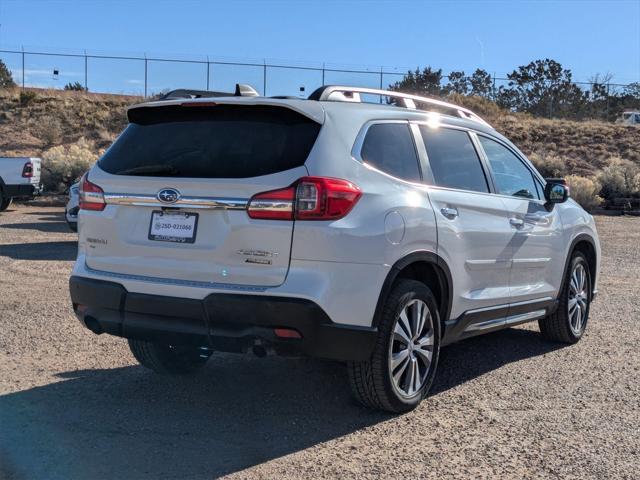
(259, 261)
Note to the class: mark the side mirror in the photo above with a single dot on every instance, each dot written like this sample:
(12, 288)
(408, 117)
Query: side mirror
(556, 190)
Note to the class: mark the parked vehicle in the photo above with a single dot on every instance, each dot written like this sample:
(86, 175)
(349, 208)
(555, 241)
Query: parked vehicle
(72, 208)
(629, 117)
(368, 233)
(19, 178)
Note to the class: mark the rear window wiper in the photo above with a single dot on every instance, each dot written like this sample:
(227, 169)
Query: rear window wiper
(151, 170)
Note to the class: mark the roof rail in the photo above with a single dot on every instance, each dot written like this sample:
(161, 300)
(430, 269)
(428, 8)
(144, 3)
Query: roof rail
(352, 94)
(241, 90)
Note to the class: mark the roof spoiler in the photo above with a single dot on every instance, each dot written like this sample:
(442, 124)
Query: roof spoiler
(241, 90)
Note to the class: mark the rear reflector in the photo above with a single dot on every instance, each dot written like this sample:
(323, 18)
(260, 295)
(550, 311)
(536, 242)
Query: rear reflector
(27, 170)
(309, 198)
(287, 333)
(91, 195)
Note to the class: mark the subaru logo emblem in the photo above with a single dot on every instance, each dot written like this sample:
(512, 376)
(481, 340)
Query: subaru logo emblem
(168, 195)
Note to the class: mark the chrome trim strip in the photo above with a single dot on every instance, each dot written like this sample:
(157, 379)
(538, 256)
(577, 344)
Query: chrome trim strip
(525, 317)
(507, 321)
(211, 203)
(172, 281)
(272, 205)
(506, 305)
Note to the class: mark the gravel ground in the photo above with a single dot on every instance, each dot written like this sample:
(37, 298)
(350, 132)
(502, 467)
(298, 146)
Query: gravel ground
(509, 405)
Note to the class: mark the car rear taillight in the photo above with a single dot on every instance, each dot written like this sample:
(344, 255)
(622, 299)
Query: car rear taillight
(309, 198)
(27, 170)
(273, 205)
(91, 195)
(321, 198)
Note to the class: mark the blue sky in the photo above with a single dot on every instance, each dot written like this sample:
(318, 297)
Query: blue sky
(588, 37)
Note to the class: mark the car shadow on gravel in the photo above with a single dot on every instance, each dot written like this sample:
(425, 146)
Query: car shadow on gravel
(472, 358)
(240, 411)
(65, 251)
(46, 227)
(130, 423)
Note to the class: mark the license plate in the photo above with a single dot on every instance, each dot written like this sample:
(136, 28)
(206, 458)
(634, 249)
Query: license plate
(173, 227)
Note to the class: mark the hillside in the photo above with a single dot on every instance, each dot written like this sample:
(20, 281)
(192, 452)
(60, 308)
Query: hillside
(34, 122)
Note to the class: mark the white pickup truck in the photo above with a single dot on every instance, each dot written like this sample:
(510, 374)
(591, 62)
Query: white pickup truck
(19, 178)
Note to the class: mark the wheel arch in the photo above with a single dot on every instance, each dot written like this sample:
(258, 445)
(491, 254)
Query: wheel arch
(424, 266)
(585, 244)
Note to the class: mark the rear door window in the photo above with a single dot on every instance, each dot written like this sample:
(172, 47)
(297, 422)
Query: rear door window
(453, 159)
(389, 147)
(220, 141)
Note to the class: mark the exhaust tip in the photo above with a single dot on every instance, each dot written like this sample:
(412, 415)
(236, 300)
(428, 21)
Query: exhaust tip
(93, 325)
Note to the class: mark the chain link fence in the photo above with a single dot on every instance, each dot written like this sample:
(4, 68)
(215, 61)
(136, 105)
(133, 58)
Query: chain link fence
(150, 75)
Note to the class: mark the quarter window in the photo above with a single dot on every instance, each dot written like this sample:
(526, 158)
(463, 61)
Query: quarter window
(389, 148)
(512, 177)
(453, 159)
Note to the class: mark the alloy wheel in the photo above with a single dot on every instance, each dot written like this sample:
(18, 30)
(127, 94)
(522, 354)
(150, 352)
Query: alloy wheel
(411, 348)
(578, 299)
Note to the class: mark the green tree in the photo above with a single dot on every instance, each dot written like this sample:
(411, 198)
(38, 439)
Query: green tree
(76, 86)
(542, 88)
(426, 82)
(6, 80)
(481, 83)
(458, 83)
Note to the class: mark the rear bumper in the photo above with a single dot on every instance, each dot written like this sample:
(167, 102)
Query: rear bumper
(225, 321)
(23, 190)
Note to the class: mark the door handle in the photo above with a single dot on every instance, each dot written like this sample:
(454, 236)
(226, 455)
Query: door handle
(516, 222)
(449, 212)
(537, 219)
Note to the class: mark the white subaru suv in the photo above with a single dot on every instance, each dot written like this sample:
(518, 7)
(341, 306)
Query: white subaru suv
(360, 225)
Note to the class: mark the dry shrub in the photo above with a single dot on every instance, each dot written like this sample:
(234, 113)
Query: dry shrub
(482, 106)
(63, 165)
(585, 191)
(549, 166)
(49, 130)
(619, 179)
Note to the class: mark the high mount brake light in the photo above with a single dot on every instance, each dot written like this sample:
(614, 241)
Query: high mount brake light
(27, 170)
(91, 195)
(309, 198)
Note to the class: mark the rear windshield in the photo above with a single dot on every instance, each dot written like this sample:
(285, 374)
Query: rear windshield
(220, 141)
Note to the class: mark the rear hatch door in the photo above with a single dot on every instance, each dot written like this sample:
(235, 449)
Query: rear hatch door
(177, 182)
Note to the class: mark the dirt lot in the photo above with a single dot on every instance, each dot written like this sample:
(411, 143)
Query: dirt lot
(75, 405)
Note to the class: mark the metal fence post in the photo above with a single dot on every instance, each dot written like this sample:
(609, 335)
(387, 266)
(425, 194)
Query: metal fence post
(208, 72)
(264, 78)
(23, 67)
(323, 74)
(145, 75)
(381, 70)
(86, 86)
(493, 91)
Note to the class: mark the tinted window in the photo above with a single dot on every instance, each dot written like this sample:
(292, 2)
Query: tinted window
(453, 159)
(512, 177)
(221, 141)
(389, 147)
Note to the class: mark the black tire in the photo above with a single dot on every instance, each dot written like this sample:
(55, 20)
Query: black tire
(167, 359)
(557, 327)
(5, 202)
(73, 226)
(371, 380)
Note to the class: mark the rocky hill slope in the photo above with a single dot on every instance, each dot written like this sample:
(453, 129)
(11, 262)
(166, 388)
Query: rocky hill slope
(35, 121)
